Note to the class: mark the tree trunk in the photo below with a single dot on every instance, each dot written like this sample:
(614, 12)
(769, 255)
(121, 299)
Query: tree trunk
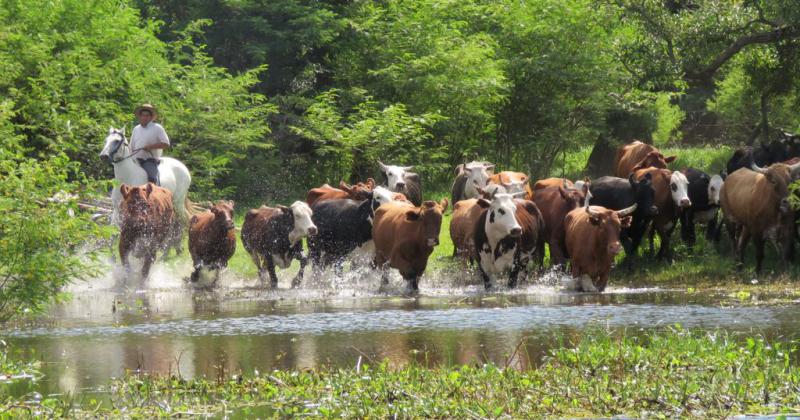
(765, 117)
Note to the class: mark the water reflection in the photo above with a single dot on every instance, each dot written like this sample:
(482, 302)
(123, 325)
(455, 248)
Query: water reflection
(101, 334)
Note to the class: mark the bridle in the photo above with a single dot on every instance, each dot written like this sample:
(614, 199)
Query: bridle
(119, 144)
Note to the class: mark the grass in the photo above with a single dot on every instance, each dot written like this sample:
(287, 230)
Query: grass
(669, 373)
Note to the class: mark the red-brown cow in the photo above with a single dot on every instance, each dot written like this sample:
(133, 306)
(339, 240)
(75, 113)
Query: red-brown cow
(513, 182)
(756, 202)
(637, 155)
(405, 236)
(356, 192)
(671, 193)
(147, 223)
(548, 183)
(212, 242)
(592, 235)
(462, 228)
(555, 203)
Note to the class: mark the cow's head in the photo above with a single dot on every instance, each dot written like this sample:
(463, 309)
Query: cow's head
(300, 215)
(644, 193)
(223, 214)
(501, 220)
(679, 189)
(477, 174)
(714, 187)
(654, 159)
(135, 200)
(115, 144)
(358, 191)
(430, 216)
(382, 195)
(780, 175)
(575, 197)
(608, 224)
(395, 175)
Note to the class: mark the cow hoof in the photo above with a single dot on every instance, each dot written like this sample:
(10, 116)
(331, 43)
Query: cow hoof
(296, 283)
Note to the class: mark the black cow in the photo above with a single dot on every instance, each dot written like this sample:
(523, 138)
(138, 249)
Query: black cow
(399, 179)
(619, 193)
(705, 205)
(764, 155)
(342, 226)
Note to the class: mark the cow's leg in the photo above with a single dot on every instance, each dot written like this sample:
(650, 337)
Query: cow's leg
(149, 257)
(712, 230)
(602, 282)
(741, 246)
(665, 251)
(273, 278)
(487, 282)
(687, 228)
(195, 276)
(515, 268)
(652, 235)
(412, 283)
(758, 241)
(124, 254)
(586, 284)
(298, 254)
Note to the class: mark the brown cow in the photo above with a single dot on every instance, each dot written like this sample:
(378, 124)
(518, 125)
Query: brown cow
(513, 182)
(592, 236)
(274, 236)
(405, 236)
(547, 183)
(555, 203)
(637, 155)
(462, 228)
(354, 192)
(671, 194)
(147, 223)
(212, 241)
(756, 202)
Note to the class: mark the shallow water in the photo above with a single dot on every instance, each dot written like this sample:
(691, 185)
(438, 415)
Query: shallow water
(103, 331)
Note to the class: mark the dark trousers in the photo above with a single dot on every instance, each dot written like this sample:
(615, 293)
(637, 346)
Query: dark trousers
(151, 167)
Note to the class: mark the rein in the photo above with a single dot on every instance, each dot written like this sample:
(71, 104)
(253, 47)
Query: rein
(132, 154)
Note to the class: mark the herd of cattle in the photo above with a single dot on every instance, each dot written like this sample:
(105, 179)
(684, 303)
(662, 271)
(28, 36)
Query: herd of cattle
(500, 221)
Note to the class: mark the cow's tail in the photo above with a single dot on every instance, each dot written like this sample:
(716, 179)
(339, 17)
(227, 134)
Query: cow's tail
(190, 209)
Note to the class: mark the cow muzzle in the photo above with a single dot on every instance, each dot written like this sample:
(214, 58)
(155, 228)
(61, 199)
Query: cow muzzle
(784, 206)
(685, 203)
(229, 225)
(653, 211)
(516, 232)
(312, 231)
(614, 248)
(399, 186)
(432, 242)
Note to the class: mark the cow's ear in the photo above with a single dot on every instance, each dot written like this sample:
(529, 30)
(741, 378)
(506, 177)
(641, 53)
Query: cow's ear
(444, 203)
(412, 215)
(231, 203)
(626, 221)
(344, 187)
(125, 190)
(149, 189)
(563, 192)
(193, 220)
(370, 183)
(670, 159)
(482, 202)
(284, 209)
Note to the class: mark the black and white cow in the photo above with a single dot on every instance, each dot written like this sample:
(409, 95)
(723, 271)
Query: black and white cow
(274, 236)
(616, 193)
(704, 195)
(400, 179)
(508, 234)
(470, 178)
(342, 226)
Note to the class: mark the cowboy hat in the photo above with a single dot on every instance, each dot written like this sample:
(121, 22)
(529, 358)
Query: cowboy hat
(146, 107)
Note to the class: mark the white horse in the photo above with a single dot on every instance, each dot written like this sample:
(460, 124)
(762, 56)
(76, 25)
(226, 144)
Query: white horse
(173, 174)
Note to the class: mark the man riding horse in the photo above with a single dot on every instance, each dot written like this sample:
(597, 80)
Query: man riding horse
(148, 141)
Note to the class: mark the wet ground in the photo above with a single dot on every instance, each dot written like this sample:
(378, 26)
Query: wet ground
(105, 330)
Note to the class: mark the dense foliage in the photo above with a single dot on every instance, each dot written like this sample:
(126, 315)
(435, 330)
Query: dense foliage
(263, 99)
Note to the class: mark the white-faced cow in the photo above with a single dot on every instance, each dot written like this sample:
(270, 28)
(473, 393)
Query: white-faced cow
(400, 179)
(470, 177)
(507, 235)
(704, 195)
(274, 237)
(671, 197)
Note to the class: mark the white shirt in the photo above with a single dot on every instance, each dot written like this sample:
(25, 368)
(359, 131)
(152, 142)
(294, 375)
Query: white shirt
(152, 134)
